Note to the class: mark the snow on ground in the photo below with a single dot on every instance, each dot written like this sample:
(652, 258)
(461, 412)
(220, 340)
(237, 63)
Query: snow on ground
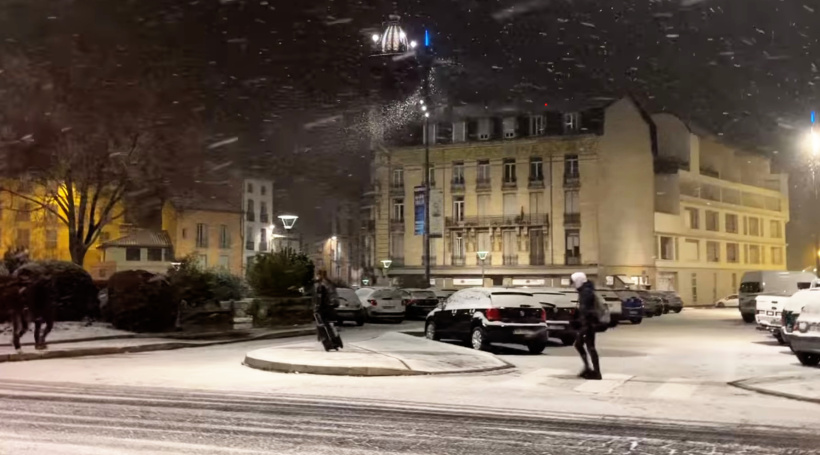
(66, 331)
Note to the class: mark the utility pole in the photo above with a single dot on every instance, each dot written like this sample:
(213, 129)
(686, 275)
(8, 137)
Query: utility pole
(427, 59)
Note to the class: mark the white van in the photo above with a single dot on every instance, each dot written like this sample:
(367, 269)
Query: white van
(770, 283)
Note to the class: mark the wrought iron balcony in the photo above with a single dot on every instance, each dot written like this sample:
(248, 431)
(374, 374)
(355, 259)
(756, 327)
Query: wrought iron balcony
(483, 184)
(457, 185)
(396, 188)
(509, 184)
(537, 259)
(572, 180)
(511, 260)
(573, 260)
(572, 219)
(459, 261)
(536, 183)
(536, 219)
(397, 225)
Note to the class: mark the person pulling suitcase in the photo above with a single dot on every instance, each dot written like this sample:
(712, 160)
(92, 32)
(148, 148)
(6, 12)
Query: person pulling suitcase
(324, 313)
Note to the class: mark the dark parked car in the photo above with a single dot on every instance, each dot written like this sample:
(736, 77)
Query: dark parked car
(482, 316)
(652, 303)
(632, 306)
(418, 303)
(560, 305)
(673, 301)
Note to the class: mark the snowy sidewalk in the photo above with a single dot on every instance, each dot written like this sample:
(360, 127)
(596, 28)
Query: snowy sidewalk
(75, 340)
(803, 387)
(391, 354)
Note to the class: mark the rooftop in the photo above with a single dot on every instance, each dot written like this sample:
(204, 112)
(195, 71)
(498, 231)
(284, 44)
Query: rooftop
(141, 238)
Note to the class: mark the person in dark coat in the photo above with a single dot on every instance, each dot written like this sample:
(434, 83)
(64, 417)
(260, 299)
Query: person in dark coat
(326, 303)
(586, 322)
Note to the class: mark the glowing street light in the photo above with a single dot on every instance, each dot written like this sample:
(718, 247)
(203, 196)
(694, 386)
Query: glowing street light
(288, 221)
(482, 256)
(386, 263)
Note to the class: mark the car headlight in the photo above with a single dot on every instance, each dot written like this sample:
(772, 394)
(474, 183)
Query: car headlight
(803, 326)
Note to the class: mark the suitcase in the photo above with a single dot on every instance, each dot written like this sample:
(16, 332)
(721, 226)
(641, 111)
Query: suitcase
(327, 334)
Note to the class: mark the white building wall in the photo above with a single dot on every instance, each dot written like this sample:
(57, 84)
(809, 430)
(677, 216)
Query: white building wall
(258, 195)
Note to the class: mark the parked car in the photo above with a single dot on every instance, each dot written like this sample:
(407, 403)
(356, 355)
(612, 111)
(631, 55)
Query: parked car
(614, 303)
(769, 314)
(443, 294)
(350, 307)
(418, 303)
(673, 302)
(632, 304)
(794, 307)
(805, 341)
(382, 303)
(730, 301)
(482, 316)
(560, 305)
(652, 304)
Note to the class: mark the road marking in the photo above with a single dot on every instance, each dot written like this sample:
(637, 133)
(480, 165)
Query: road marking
(675, 389)
(609, 383)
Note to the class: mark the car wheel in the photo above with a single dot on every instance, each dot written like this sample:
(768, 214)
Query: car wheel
(430, 331)
(666, 310)
(648, 315)
(748, 318)
(360, 320)
(478, 339)
(720, 305)
(613, 323)
(808, 359)
(567, 340)
(677, 310)
(636, 320)
(659, 312)
(536, 347)
(779, 337)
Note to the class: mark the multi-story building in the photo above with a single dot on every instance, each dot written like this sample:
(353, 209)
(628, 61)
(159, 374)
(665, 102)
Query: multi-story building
(258, 222)
(588, 187)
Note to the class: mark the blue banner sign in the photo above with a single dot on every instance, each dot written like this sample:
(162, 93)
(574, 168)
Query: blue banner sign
(419, 206)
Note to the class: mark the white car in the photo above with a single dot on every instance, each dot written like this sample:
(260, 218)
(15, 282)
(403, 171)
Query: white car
(383, 303)
(805, 341)
(350, 307)
(730, 301)
(769, 314)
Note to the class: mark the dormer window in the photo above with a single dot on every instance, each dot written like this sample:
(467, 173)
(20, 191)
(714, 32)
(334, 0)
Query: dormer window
(571, 122)
(484, 129)
(509, 127)
(538, 125)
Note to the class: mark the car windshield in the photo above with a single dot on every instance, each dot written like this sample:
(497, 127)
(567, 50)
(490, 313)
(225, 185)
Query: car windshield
(751, 287)
(388, 293)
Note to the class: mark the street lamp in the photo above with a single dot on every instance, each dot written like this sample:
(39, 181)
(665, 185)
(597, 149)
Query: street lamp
(288, 221)
(386, 263)
(482, 256)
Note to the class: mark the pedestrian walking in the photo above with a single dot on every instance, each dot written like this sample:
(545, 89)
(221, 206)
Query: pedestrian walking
(324, 312)
(586, 322)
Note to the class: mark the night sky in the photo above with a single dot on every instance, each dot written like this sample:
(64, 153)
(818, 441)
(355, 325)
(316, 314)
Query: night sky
(261, 70)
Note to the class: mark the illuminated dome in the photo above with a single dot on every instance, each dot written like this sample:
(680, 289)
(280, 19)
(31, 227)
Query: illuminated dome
(394, 39)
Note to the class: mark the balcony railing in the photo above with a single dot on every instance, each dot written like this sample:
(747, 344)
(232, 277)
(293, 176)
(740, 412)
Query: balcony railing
(535, 219)
(457, 185)
(509, 184)
(250, 217)
(537, 260)
(536, 183)
(263, 217)
(263, 246)
(572, 219)
(510, 260)
(573, 260)
(249, 245)
(572, 180)
(397, 225)
(483, 184)
(397, 187)
(459, 261)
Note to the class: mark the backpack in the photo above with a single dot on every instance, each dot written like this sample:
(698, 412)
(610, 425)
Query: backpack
(602, 311)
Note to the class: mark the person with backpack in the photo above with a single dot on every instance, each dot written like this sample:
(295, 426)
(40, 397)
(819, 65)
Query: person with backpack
(326, 302)
(587, 321)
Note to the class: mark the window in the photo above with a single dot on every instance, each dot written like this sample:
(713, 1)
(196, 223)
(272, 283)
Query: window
(23, 238)
(263, 239)
(667, 248)
(538, 125)
(484, 128)
(51, 239)
(537, 203)
(250, 215)
(397, 248)
(397, 180)
(431, 176)
(263, 212)
(712, 221)
(132, 254)
(263, 190)
(571, 122)
(483, 201)
(776, 229)
(572, 240)
(155, 254)
(571, 168)
(509, 171)
(694, 288)
(537, 247)
(250, 187)
(713, 251)
(249, 238)
(458, 208)
(184, 233)
(24, 212)
(224, 237)
(201, 235)
(734, 282)
(691, 250)
(483, 171)
(509, 247)
(536, 169)
(398, 209)
(509, 125)
(572, 205)
(510, 204)
(754, 226)
(731, 223)
(224, 261)
(745, 226)
(754, 254)
(484, 243)
(777, 255)
(692, 218)
(458, 172)
(458, 245)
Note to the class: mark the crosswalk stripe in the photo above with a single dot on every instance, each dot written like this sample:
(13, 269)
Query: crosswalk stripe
(609, 383)
(674, 389)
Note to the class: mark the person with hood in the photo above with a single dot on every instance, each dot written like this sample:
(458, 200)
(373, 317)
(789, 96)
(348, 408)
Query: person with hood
(324, 311)
(586, 322)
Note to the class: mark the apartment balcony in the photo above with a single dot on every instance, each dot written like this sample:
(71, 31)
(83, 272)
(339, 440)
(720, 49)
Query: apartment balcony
(483, 185)
(397, 189)
(536, 183)
(537, 219)
(397, 225)
(572, 219)
(457, 185)
(509, 185)
(459, 261)
(573, 260)
(510, 260)
(572, 180)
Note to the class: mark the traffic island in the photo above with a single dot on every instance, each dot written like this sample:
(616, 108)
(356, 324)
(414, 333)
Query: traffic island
(803, 387)
(392, 354)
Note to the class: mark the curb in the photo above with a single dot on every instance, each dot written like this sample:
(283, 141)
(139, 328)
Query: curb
(169, 346)
(741, 384)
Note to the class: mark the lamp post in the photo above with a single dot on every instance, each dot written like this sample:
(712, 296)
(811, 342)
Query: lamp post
(482, 256)
(386, 263)
(814, 148)
(288, 221)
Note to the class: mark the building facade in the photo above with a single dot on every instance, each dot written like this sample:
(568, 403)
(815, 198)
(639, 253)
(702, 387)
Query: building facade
(259, 225)
(585, 188)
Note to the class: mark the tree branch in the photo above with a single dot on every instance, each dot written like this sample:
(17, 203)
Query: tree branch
(43, 206)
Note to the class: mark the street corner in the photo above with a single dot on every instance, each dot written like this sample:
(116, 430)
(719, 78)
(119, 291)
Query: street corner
(802, 387)
(392, 354)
